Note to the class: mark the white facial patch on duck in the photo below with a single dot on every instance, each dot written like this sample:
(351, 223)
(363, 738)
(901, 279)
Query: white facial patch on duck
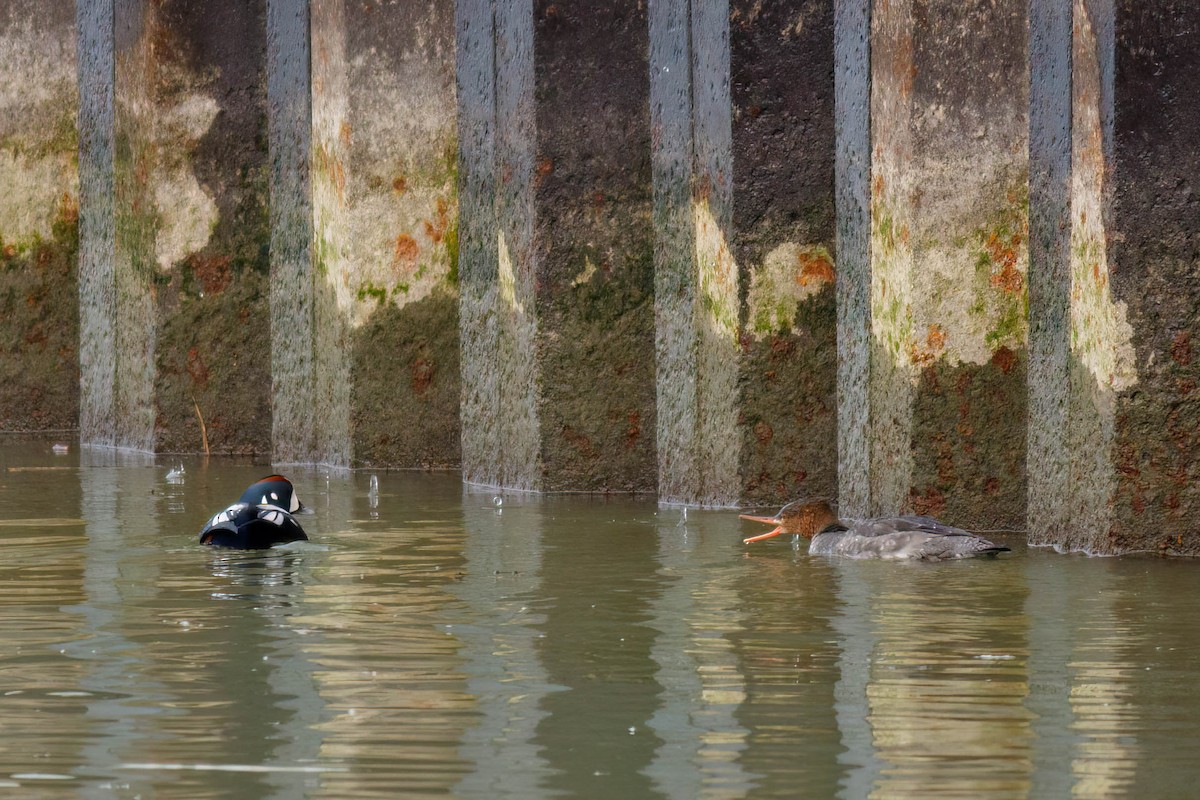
(273, 517)
(227, 514)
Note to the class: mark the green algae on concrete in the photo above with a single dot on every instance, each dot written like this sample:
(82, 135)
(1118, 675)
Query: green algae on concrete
(782, 108)
(39, 337)
(205, 188)
(39, 218)
(385, 181)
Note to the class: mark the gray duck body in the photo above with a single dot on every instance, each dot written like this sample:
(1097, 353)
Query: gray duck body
(900, 538)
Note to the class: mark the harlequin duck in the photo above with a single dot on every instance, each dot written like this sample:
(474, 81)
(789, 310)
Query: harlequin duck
(915, 538)
(261, 518)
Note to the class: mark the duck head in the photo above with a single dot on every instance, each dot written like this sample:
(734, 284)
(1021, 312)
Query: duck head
(804, 518)
(275, 491)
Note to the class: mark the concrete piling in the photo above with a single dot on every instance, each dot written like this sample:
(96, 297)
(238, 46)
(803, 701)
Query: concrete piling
(925, 257)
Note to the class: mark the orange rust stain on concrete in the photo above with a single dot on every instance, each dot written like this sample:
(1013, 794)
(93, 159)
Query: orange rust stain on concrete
(422, 371)
(1181, 348)
(1004, 358)
(406, 252)
(934, 346)
(213, 272)
(931, 502)
(813, 268)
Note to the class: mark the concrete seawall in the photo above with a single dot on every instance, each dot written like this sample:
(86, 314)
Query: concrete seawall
(931, 257)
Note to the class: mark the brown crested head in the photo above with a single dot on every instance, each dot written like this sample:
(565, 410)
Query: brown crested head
(807, 517)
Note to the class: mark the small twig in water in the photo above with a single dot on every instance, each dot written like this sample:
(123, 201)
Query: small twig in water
(203, 430)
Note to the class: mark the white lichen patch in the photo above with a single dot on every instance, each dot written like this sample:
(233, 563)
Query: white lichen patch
(399, 150)
(892, 322)
(506, 279)
(187, 214)
(1101, 336)
(33, 189)
(717, 273)
(790, 274)
(37, 129)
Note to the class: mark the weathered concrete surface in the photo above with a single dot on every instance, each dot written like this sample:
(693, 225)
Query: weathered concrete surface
(946, 262)
(497, 309)
(782, 73)
(174, 229)
(212, 386)
(696, 282)
(39, 213)
(593, 246)
(395, 221)
(1111, 406)
(969, 239)
(555, 256)
(289, 99)
(1153, 261)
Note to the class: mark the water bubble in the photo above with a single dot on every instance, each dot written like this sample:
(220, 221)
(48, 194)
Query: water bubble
(176, 475)
(498, 501)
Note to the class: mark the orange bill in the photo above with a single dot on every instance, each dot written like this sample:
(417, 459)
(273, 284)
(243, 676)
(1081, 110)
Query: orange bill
(766, 520)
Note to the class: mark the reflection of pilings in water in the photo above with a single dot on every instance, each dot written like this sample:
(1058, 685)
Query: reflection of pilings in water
(696, 293)
(310, 385)
(291, 675)
(496, 255)
(699, 672)
(946, 700)
(931, 695)
(508, 682)
(116, 496)
(1081, 680)
(116, 256)
(855, 628)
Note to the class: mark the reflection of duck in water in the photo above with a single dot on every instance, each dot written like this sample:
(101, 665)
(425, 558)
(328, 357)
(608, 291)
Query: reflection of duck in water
(261, 518)
(917, 538)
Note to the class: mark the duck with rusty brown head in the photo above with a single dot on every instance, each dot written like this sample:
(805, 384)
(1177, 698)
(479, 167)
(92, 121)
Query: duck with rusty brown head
(897, 538)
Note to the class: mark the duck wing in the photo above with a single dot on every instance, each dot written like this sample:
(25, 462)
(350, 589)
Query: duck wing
(883, 526)
(920, 538)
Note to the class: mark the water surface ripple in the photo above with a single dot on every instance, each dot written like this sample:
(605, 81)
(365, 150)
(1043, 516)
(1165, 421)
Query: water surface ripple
(433, 642)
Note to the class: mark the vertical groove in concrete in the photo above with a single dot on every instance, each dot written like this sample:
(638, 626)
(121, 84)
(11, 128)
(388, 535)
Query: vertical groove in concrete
(330, 134)
(135, 23)
(500, 431)
(695, 278)
(289, 134)
(717, 435)
(892, 209)
(852, 76)
(516, 140)
(117, 315)
(674, 251)
(1094, 336)
(475, 51)
(1050, 27)
(97, 288)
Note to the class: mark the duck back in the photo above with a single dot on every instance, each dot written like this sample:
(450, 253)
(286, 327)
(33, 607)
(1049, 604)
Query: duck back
(907, 537)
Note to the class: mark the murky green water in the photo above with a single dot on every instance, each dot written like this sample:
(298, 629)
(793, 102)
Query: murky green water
(557, 647)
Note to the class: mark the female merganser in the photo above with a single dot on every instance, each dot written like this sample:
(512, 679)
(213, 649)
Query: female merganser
(917, 538)
(261, 518)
